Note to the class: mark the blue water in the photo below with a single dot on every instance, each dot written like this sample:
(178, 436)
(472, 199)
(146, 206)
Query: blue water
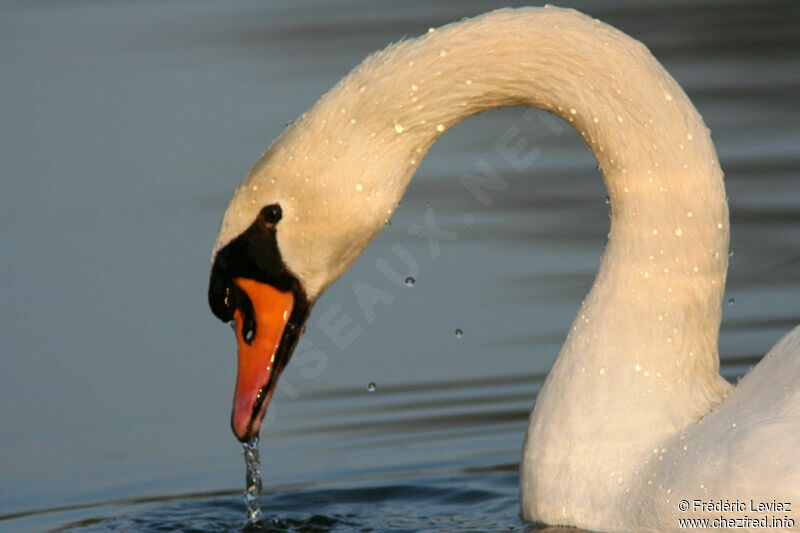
(125, 128)
(479, 500)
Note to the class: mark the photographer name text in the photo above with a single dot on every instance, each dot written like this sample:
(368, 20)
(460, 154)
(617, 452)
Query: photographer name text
(739, 506)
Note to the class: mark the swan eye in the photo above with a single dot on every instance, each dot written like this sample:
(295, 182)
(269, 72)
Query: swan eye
(271, 213)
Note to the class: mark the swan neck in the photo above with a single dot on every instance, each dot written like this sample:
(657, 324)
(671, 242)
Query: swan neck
(649, 141)
(656, 155)
(640, 362)
(664, 267)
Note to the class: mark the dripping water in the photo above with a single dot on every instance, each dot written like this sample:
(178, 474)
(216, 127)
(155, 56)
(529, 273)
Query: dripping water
(252, 494)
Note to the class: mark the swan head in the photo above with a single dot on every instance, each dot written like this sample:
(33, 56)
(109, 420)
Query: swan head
(291, 229)
(252, 288)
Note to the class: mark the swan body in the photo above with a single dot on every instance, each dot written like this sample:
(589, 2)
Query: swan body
(634, 416)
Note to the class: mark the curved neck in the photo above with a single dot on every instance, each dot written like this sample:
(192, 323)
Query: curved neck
(667, 255)
(659, 164)
(643, 348)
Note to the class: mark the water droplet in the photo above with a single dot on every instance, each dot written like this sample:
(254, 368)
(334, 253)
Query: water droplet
(371, 387)
(620, 480)
(730, 254)
(731, 301)
(359, 187)
(459, 333)
(607, 200)
(388, 223)
(443, 53)
(398, 128)
(252, 495)
(689, 136)
(468, 82)
(602, 371)
(619, 119)
(667, 97)
(440, 127)
(638, 367)
(573, 110)
(410, 281)
(678, 232)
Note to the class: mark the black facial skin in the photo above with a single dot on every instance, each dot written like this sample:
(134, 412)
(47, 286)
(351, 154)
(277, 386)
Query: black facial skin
(255, 255)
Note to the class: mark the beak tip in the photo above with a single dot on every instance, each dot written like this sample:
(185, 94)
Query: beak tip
(248, 412)
(244, 429)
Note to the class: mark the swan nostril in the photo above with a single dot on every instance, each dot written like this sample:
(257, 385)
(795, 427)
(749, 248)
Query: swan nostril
(248, 317)
(248, 329)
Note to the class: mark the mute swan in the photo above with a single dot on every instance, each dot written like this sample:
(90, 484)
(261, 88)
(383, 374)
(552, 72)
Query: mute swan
(633, 417)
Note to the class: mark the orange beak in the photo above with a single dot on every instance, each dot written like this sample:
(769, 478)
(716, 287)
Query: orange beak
(259, 333)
